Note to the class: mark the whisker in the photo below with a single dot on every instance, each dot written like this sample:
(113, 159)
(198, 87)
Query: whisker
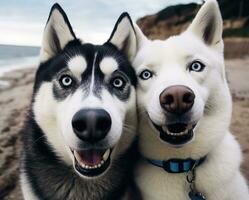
(39, 138)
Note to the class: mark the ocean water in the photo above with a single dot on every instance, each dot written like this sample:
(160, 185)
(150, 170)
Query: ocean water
(17, 57)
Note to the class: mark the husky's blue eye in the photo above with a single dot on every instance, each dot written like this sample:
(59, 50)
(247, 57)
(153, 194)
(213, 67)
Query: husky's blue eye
(118, 82)
(146, 74)
(196, 66)
(66, 81)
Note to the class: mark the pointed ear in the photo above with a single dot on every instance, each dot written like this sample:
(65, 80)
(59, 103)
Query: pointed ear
(127, 36)
(208, 24)
(58, 32)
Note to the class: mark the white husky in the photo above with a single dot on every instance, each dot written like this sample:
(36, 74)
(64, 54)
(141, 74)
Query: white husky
(184, 114)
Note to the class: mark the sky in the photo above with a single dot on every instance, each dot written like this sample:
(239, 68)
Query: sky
(22, 21)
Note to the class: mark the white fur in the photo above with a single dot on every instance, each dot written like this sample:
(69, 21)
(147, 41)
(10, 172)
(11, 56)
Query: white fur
(108, 65)
(26, 189)
(77, 65)
(210, 10)
(219, 178)
(45, 111)
(93, 74)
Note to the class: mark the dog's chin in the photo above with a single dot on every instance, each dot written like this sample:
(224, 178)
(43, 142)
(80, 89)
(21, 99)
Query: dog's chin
(91, 163)
(176, 134)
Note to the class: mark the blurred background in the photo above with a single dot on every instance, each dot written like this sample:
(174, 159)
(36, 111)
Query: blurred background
(21, 27)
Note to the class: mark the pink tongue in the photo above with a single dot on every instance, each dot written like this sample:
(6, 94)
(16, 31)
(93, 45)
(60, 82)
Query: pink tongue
(91, 157)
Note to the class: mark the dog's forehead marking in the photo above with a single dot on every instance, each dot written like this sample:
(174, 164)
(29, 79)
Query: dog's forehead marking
(77, 65)
(93, 76)
(108, 65)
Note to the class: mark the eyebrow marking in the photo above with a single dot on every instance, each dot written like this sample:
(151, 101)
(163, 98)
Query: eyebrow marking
(108, 65)
(77, 64)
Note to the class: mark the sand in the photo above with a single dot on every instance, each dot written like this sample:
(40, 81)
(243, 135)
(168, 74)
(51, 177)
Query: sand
(15, 98)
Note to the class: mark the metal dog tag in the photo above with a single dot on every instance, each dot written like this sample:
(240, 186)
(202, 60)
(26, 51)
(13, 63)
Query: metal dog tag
(196, 196)
(193, 194)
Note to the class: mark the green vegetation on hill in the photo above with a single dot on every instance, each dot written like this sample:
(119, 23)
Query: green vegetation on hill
(184, 11)
(236, 32)
(231, 10)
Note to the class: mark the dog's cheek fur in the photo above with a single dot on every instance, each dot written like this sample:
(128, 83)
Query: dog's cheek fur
(26, 188)
(45, 109)
(219, 98)
(124, 121)
(129, 127)
(117, 114)
(64, 114)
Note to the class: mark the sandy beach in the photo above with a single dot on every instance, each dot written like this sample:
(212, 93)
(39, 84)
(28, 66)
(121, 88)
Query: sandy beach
(15, 98)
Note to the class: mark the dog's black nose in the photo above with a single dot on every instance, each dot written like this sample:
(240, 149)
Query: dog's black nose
(177, 99)
(91, 125)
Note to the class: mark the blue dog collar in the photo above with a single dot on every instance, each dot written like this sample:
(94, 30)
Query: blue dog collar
(177, 165)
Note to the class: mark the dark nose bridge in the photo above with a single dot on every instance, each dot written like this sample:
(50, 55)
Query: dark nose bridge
(91, 125)
(177, 99)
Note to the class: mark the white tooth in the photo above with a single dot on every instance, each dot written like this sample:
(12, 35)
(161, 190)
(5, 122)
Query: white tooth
(189, 127)
(77, 156)
(102, 162)
(106, 154)
(164, 128)
(99, 165)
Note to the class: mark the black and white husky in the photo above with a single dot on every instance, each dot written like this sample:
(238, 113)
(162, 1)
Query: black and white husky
(82, 118)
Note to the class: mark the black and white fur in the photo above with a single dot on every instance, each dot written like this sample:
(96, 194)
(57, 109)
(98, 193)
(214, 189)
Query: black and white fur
(163, 64)
(48, 163)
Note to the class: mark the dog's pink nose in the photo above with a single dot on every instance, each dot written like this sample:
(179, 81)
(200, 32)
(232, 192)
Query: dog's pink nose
(177, 99)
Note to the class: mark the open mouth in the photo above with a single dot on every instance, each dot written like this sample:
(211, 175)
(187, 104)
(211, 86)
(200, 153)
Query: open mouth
(92, 162)
(177, 133)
